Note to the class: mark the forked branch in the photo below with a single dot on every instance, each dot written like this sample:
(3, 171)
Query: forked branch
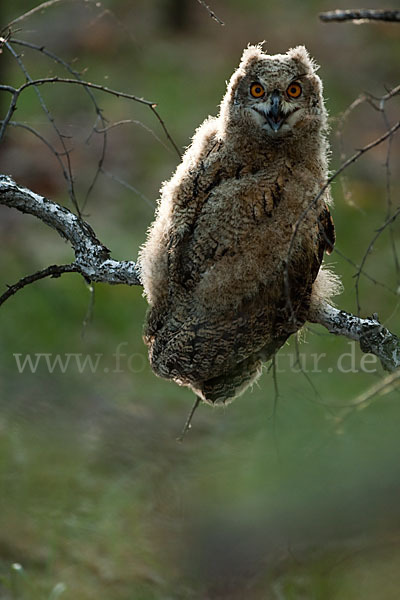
(92, 258)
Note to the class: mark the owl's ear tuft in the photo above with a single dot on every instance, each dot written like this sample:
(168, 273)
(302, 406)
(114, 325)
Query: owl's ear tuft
(251, 54)
(301, 56)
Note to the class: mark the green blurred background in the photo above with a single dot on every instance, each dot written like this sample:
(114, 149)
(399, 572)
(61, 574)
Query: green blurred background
(295, 497)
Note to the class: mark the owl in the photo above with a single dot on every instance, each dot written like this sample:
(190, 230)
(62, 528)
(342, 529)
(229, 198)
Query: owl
(231, 266)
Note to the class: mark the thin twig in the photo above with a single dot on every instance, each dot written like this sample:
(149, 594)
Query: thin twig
(98, 110)
(298, 363)
(393, 92)
(382, 387)
(275, 410)
(313, 203)
(107, 128)
(82, 83)
(44, 80)
(42, 7)
(379, 104)
(389, 221)
(341, 119)
(153, 108)
(365, 274)
(362, 15)
(39, 136)
(355, 157)
(67, 171)
(211, 12)
(52, 271)
(389, 202)
(188, 423)
(128, 186)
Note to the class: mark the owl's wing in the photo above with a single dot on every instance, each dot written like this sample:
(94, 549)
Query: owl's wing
(191, 344)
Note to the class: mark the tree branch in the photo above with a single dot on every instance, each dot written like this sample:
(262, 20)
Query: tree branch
(372, 336)
(92, 258)
(361, 15)
(211, 12)
(52, 271)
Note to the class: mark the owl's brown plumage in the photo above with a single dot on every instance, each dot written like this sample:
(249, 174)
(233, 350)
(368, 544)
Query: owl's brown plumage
(226, 282)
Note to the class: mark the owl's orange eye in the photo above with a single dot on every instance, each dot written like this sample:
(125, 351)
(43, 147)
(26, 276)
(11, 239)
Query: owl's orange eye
(257, 90)
(294, 90)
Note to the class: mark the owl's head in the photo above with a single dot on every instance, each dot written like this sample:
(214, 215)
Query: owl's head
(274, 96)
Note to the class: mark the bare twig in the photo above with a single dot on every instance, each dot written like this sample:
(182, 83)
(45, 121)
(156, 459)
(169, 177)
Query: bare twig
(188, 423)
(99, 114)
(52, 271)
(275, 411)
(67, 170)
(389, 221)
(379, 104)
(130, 187)
(355, 157)
(361, 15)
(44, 80)
(211, 12)
(365, 274)
(42, 7)
(323, 189)
(39, 136)
(385, 385)
(153, 108)
(393, 92)
(80, 82)
(389, 202)
(107, 128)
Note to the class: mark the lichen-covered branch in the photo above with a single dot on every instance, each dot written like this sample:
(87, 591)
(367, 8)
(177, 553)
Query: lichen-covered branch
(372, 336)
(92, 258)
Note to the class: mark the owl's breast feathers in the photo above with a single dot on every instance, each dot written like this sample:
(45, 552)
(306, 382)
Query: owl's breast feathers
(236, 283)
(232, 226)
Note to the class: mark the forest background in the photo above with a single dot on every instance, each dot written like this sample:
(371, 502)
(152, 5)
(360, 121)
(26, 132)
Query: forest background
(288, 493)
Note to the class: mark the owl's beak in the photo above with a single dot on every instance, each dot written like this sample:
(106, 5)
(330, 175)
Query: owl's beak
(274, 115)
